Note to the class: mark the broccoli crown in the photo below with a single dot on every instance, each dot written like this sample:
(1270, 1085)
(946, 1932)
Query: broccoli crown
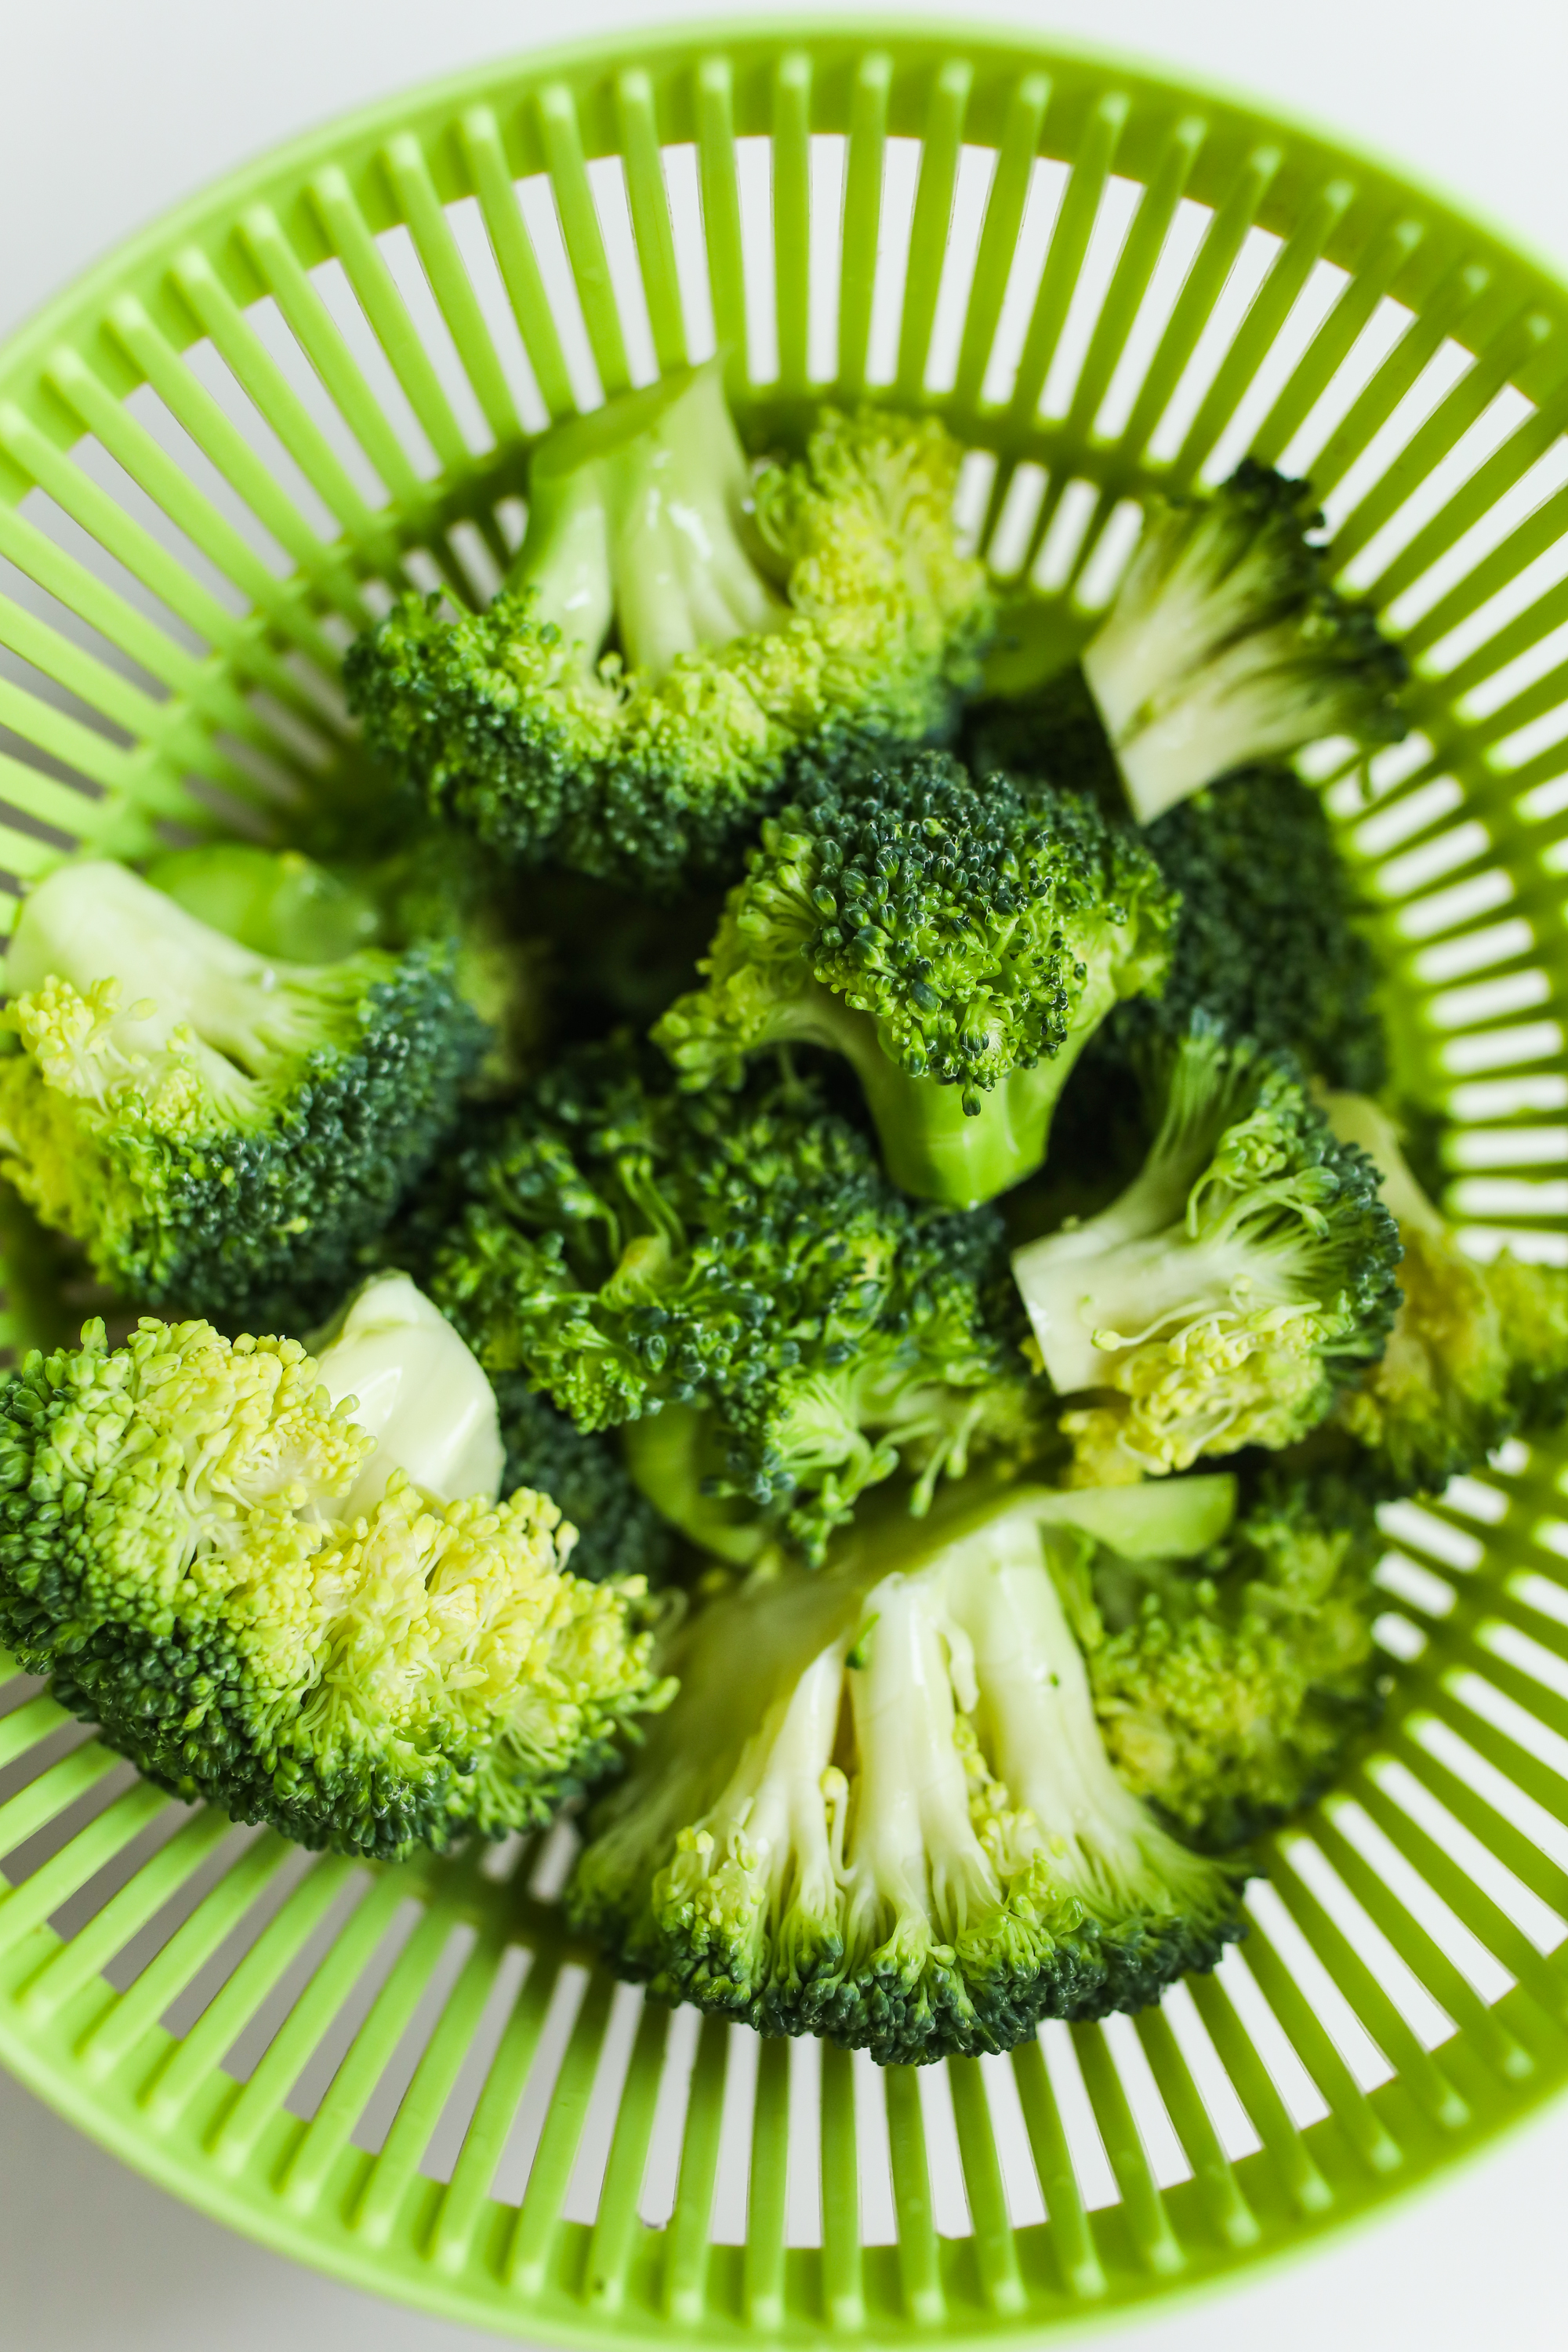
(634, 1251)
(1477, 1352)
(881, 1810)
(958, 941)
(1242, 1277)
(619, 1532)
(170, 1553)
(213, 1125)
(1228, 1686)
(825, 598)
(1225, 644)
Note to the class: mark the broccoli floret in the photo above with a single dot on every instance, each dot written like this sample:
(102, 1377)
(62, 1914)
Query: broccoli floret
(431, 889)
(224, 1569)
(213, 1125)
(749, 617)
(1225, 1296)
(1225, 647)
(736, 1264)
(957, 943)
(881, 1809)
(1228, 1685)
(1478, 1353)
(619, 1532)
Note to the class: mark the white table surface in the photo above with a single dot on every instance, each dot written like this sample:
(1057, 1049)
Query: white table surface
(109, 113)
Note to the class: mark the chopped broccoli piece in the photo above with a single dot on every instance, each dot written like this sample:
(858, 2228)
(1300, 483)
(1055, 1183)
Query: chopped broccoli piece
(1224, 1299)
(619, 1532)
(1225, 647)
(957, 943)
(881, 1809)
(430, 890)
(1477, 1353)
(1228, 1685)
(737, 1265)
(187, 1549)
(821, 600)
(215, 1126)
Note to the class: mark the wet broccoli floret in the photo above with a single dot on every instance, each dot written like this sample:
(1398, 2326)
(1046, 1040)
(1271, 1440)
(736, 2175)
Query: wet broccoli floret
(1478, 1352)
(958, 941)
(243, 1584)
(215, 1125)
(731, 1277)
(881, 1809)
(677, 628)
(1238, 1283)
(1228, 1685)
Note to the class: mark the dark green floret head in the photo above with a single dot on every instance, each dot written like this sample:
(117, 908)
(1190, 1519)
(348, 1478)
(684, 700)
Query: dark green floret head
(1229, 1686)
(1245, 1276)
(1226, 645)
(1479, 1352)
(188, 1549)
(881, 1809)
(213, 1124)
(957, 939)
(731, 1276)
(677, 629)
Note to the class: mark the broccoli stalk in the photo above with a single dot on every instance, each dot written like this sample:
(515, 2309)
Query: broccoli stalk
(736, 1260)
(1477, 1352)
(881, 1809)
(1224, 648)
(958, 944)
(675, 631)
(242, 1585)
(1239, 1280)
(212, 1123)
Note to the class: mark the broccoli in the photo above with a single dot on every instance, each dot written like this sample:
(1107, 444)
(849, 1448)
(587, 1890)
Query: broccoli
(732, 1275)
(957, 943)
(823, 599)
(430, 889)
(1228, 1686)
(213, 1125)
(1477, 1353)
(881, 1809)
(224, 1569)
(1224, 646)
(619, 1532)
(1242, 1277)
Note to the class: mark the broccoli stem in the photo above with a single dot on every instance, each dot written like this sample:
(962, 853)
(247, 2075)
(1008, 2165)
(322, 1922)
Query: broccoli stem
(637, 520)
(396, 1364)
(668, 1456)
(941, 1140)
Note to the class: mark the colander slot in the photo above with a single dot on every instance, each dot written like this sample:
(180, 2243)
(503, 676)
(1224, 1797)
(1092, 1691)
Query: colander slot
(1449, 1942)
(656, 2200)
(1431, 1596)
(566, 2000)
(606, 182)
(1116, 206)
(886, 227)
(1167, 2160)
(1462, 845)
(1014, 532)
(976, 474)
(808, 236)
(1095, 2181)
(878, 2217)
(1278, 1928)
(1020, 2181)
(1271, 337)
(1057, 560)
(553, 1859)
(58, 1800)
(1473, 950)
(728, 2220)
(1442, 1836)
(291, 2020)
(459, 1967)
(197, 1989)
(580, 2202)
(682, 182)
(756, 295)
(1119, 361)
(450, 2131)
(1240, 1995)
(199, 410)
(1047, 181)
(972, 184)
(1101, 574)
(1383, 535)
(542, 225)
(1218, 2099)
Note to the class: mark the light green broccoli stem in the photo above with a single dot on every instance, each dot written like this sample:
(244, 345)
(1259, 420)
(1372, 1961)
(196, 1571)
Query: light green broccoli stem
(409, 1379)
(637, 523)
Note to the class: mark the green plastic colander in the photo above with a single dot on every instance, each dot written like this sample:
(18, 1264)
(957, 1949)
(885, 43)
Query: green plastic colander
(318, 382)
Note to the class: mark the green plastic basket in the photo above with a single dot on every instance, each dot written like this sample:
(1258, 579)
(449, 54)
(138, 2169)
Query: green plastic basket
(320, 378)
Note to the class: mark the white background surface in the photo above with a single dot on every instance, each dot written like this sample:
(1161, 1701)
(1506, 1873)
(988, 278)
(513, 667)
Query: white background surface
(110, 111)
